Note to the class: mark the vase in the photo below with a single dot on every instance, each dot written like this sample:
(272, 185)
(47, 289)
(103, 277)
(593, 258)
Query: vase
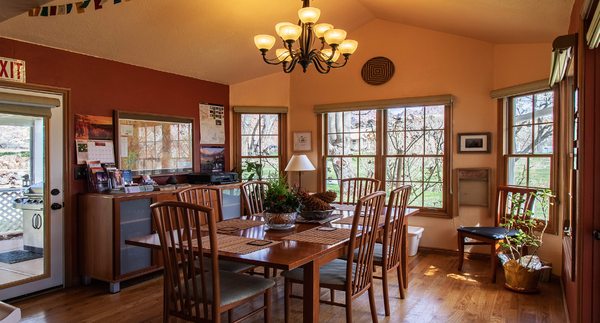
(521, 279)
(280, 221)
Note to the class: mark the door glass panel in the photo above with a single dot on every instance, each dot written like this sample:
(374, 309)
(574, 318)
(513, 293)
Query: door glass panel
(22, 216)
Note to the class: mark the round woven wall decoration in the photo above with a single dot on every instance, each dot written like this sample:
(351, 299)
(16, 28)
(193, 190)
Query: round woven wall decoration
(377, 70)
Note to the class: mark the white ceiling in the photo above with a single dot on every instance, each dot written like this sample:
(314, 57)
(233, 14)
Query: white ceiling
(213, 39)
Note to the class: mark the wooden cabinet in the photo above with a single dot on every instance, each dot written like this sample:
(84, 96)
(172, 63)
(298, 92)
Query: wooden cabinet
(110, 219)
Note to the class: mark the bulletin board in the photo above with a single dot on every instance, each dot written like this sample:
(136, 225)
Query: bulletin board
(212, 124)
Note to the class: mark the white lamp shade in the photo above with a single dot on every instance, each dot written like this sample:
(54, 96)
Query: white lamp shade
(326, 54)
(281, 24)
(283, 55)
(299, 163)
(309, 15)
(348, 46)
(264, 41)
(335, 36)
(290, 32)
(320, 29)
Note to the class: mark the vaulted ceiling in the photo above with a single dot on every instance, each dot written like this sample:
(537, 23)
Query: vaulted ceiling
(213, 39)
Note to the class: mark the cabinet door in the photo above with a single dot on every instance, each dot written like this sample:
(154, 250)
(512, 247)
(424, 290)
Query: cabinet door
(135, 219)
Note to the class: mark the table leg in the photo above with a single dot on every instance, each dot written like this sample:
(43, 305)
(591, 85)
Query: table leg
(405, 255)
(311, 292)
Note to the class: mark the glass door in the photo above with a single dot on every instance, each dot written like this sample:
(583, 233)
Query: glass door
(31, 162)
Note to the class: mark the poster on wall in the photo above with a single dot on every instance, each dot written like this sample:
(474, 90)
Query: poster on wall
(94, 139)
(212, 124)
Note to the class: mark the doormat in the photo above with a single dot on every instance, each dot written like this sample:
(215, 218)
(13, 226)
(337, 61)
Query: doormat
(16, 256)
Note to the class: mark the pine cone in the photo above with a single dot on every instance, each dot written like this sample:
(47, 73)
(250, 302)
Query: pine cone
(312, 203)
(326, 197)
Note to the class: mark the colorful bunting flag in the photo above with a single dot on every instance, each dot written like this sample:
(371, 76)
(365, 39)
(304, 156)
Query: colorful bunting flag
(67, 8)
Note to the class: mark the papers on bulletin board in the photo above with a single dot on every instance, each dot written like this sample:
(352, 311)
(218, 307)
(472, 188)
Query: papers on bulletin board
(100, 150)
(212, 124)
(123, 147)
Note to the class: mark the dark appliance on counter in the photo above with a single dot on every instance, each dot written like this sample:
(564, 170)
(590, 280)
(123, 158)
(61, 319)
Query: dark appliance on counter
(213, 178)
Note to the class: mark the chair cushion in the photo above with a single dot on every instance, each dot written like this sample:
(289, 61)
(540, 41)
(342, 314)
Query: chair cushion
(497, 233)
(332, 273)
(377, 253)
(235, 287)
(228, 265)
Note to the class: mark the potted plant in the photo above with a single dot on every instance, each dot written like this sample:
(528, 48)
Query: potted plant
(281, 205)
(521, 264)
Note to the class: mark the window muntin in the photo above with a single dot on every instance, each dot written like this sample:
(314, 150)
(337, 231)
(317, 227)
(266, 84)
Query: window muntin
(260, 144)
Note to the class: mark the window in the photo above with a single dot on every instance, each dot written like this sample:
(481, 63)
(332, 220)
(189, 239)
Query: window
(260, 145)
(531, 153)
(154, 145)
(399, 145)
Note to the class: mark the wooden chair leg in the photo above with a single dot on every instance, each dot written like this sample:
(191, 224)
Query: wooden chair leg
(494, 260)
(400, 282)
(348, 308)
(267, 302)
(372, 304)
(386, 294)
(267, 272)
(287, 289)
(461, 250)
(229, 316)
(331, 295)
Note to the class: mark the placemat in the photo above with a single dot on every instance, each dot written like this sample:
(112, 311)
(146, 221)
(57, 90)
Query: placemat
(234, 244)
(350, 219)
(300, 219)
(234, 225)
(318, 236)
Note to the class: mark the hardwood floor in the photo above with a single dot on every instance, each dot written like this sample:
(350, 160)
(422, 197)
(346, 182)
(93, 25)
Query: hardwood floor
(437, 293)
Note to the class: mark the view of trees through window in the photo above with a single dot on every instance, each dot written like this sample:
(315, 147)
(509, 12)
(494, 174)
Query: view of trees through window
(413, 145)
(260, 146)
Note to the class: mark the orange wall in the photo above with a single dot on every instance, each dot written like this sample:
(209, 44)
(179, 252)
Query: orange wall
(427, 63)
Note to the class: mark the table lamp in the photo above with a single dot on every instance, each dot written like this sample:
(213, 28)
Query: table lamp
(299, 163)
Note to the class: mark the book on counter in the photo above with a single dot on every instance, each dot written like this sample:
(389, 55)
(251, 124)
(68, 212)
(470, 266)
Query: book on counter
(98, 180)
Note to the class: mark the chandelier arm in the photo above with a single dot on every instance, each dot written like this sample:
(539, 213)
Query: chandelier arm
(288, 68)
(270, 61)
(338, 65)
(319, 65)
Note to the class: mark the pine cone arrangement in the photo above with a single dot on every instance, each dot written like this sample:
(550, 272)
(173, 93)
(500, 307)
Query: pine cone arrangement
(314, 202)
(327, 197)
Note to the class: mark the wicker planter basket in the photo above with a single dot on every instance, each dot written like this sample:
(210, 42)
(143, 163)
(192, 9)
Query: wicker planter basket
(521, 279)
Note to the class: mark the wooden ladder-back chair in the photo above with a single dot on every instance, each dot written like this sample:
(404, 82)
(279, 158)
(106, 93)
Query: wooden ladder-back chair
(511, 200)
(212, 198)
(352, 189)
(354, 276)
(253, 196)
(388, 255)
(194, 289)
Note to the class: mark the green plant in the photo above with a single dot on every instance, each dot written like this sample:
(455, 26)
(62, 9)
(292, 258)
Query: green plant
(254, 169)
(529, 229)
(279, 198)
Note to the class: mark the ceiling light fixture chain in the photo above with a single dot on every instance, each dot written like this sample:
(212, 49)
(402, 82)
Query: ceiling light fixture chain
(306, 32)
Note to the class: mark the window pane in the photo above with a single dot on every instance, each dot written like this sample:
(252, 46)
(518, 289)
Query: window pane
(539, 172)
(414, 142)
(517, 171)
(335, 122)
(394, 169)
(367, 121)
(250, 146)
(434, 142)
(334, 168)
(416, 195)
(413, 167)
(523, 108)
(395, 119)
(522, 140)
(395, 143)
(366, 167)
(351, 144)
(389, 186)
(543, 139)
(351, 121)
(434, 117)
(544, 105)
(270, 168)
(332, 185)
(249, 173)
(433, 170)
(250, 124)
(432, 195)
(335, 144)
(368, 143)
(349, 167)
(415, 118)
(270, 124)
(269, 146)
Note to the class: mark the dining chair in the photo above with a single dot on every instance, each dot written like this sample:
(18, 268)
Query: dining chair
(352, 189)
(388, 254)
(212, 198)
(511, 200)
(195, 290)
(253, 196)
(353, 276)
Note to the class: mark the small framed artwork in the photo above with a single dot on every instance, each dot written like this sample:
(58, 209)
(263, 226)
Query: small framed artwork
(302, 141)
(474, 142)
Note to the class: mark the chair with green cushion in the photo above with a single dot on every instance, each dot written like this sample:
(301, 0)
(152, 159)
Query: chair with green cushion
(212, 198)
(189, 283)
(355, 275)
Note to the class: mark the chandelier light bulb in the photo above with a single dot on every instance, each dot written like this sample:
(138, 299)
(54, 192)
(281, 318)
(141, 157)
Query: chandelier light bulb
(281, 24)
(335, 36)
(264, 41)
(283, 55)
(326, 54)
(290, 32)
(309, 15)
(321, 28)
(348, 46)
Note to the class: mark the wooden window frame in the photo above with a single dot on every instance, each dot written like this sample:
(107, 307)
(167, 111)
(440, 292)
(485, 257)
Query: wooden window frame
(281, 138)
(505, 147)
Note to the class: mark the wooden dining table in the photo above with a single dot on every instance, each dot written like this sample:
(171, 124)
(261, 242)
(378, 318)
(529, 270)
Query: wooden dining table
(291, 254)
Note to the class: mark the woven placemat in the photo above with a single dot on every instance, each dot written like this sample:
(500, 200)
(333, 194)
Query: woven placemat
(315, 235)
(350, 220)
(300, 219)
(234, 225)
(234, 244)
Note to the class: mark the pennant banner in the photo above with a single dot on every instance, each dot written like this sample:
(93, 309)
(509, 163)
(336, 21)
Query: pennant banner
(67, 8)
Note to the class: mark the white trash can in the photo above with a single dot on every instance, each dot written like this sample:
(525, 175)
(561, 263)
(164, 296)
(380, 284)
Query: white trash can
(414, 236)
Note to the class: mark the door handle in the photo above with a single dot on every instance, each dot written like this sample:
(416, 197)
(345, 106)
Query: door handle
(56, 206)
(596, 234)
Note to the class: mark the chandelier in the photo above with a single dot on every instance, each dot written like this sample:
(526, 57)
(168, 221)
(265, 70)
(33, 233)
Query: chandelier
(333, 43)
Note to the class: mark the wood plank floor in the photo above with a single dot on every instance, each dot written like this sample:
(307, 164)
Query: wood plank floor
(437, 293)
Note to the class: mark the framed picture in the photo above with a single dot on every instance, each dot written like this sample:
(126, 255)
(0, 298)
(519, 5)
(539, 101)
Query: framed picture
(302, 141)
(474, 142)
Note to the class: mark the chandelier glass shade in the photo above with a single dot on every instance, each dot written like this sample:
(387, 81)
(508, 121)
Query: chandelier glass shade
(333, 43)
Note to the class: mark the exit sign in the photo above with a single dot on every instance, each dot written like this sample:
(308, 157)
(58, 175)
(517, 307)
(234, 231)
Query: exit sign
(12, 70)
